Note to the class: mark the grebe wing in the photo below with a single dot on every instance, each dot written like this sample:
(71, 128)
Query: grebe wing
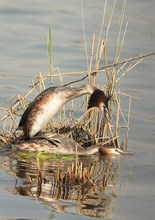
(33, 104)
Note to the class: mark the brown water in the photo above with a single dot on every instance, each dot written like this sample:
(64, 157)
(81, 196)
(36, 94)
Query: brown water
(23, 54)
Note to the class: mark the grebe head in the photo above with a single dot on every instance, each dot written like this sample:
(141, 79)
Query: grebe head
(106, 150)
(98, 99)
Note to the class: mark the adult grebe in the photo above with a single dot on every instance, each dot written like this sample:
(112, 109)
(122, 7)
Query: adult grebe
(65, 146)
(47, 103)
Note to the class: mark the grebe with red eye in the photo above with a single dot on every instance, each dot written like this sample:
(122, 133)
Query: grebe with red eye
(47, 104)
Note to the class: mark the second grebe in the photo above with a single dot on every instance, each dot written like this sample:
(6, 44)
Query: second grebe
(66, 146)
(45, 143)
(47, 104)
(111, 150)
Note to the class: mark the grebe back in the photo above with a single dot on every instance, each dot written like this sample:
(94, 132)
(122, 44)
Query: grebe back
(47, 104)
(65, 146)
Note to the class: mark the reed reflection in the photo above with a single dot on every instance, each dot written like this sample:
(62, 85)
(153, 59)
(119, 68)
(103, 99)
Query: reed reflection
(85, 186)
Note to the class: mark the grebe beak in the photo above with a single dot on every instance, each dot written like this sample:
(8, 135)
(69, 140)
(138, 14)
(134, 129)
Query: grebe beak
(107, 102)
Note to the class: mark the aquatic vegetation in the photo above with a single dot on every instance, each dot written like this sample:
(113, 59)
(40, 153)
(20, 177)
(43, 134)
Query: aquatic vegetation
(43, 156)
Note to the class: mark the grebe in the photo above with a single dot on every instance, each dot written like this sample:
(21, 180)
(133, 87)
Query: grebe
(47, 104)
(65, 146)
(110, 150)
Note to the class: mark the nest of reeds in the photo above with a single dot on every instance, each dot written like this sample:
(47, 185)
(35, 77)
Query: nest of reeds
(91, 127)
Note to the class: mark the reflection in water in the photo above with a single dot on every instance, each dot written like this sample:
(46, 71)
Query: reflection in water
(86, 186)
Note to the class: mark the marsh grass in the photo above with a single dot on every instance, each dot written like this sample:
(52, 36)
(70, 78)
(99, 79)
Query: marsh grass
(101, 126)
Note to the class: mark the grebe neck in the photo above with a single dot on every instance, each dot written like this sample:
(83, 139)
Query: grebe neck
(87, 88)
(76, 92)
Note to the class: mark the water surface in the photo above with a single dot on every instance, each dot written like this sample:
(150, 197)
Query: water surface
(23, 54)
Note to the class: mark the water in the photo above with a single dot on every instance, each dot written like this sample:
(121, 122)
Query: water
(23, 54)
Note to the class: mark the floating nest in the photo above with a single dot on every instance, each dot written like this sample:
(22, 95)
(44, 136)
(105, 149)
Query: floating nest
(91, 129)
(77, 133)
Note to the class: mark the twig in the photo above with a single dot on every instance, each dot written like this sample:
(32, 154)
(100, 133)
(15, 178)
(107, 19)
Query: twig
(128, 60)
(129, 114)
(113, 65)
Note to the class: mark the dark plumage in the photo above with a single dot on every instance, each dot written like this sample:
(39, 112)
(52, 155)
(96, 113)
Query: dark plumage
(97, 99)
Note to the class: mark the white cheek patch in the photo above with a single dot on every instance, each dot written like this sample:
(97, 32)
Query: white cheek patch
(47, 111)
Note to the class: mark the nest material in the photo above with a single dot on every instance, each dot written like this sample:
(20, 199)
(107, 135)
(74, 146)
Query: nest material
(77, 133)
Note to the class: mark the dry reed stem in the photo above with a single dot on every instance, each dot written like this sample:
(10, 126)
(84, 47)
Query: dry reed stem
(84, 33)
(128, 60)
(120, 42)
(101, 30)
(91, 58)
(100, 70)
(129, 114)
